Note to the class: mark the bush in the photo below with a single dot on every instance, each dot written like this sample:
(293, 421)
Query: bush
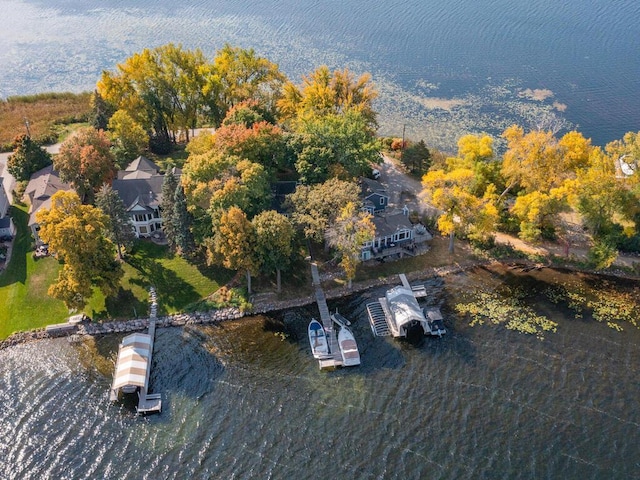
(602, 255)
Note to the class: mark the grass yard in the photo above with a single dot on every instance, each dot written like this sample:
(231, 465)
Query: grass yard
(24, 303)
(23, 285)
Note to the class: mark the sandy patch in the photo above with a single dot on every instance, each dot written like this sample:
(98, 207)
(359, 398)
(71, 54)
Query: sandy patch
(538, 94)
(561, 107)
(436, 103)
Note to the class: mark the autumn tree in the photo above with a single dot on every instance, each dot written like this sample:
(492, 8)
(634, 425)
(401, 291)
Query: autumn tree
(217, 181)
(325, 93)
(261, 143)
(239, 75)
(162, 89)
(118, 226)
(28, 157)
(274, 242)
(314, 208)
(351, 229)
(234, 244)
(464, 213)
(128, 138)
(86, 161)
(74, 233)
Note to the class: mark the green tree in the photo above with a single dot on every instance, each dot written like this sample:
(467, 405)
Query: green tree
(351, 229)
(128, 138)
(74, 233)
(101, 112)
(27, 158)
(234, 244)
(314, 208)
(334, 145)
(118, 227)
(86, 161)
(417, 157)
(274, 242)
(167, 207)
(182, 221)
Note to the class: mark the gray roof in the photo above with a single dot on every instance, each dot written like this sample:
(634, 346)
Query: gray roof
(370, 186)
(387, 225)
(142, 163)
(146, 192)
(5, 222)
(41, 187)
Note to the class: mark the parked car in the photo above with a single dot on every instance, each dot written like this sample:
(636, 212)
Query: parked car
(375, 174)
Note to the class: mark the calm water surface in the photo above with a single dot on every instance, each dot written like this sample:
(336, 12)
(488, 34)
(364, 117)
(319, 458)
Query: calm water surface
(443, 67)
(241, 401)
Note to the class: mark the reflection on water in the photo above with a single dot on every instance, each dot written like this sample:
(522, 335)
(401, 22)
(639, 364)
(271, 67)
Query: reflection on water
(443, 68)
(245, 399)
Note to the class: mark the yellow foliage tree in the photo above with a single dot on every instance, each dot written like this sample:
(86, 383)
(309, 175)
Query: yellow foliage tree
(74, 233)
(350, 231)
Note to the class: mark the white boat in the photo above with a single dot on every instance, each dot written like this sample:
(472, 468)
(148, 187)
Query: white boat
(340, 320)
(348, 348)
(318, 340)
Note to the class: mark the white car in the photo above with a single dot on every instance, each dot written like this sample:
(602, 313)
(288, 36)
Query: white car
(375, 173)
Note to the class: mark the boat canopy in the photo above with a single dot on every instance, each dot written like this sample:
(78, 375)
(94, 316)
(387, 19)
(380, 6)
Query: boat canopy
(133, 358)
(404, 307)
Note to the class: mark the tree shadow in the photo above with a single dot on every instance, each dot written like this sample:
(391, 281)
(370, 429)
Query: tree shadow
(172, 290)
(123, 305)
(16, 270)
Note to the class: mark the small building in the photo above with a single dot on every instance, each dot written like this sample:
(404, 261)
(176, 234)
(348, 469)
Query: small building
(41, 187)
(7, 228)
(374, 196)
(4, 198)
(132, 363)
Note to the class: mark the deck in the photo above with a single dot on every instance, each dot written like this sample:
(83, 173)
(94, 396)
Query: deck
(325, 318)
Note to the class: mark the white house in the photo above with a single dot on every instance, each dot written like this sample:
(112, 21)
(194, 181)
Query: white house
(140, 188)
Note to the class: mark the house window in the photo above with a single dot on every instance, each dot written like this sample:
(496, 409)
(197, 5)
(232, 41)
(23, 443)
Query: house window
(139, 218)
(382, 199)
(143, 229)
(402, 235)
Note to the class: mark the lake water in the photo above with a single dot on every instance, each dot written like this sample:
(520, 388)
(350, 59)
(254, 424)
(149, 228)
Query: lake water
(443, 67)
(246, 400)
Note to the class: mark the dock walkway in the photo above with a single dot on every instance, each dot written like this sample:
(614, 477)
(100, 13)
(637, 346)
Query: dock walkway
(325, 318)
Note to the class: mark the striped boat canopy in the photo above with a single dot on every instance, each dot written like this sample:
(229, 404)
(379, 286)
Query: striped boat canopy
(133, 358)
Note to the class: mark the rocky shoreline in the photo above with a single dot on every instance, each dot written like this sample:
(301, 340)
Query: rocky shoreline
(260, 307)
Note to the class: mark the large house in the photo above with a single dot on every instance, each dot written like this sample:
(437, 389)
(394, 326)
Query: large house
(41, 187)
(140, 188)
(395, 234)
(7, 228)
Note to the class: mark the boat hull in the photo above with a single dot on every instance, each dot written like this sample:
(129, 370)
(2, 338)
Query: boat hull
(318, 340)
(348, 348)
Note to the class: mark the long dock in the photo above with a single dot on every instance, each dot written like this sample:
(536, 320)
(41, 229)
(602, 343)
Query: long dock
(325, 318)
(136, 352)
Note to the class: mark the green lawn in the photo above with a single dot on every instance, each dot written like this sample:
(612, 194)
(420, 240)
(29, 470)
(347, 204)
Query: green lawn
(24, 303)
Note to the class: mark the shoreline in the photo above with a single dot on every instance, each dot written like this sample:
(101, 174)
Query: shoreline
(274, 306)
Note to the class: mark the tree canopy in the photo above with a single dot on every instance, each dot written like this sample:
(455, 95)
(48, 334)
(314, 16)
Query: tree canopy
(74, 233)
(86, 161)
(27, 158)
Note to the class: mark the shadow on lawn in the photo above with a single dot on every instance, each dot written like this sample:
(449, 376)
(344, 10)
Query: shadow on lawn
(173, 291)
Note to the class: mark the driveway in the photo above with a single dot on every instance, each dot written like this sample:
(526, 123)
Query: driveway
(402, 188)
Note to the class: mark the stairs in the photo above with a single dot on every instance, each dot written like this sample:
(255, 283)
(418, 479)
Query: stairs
(378, 320)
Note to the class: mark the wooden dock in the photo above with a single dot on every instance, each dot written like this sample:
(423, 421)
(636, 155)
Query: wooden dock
(128, 372)
(150, 403)
(325, 318)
